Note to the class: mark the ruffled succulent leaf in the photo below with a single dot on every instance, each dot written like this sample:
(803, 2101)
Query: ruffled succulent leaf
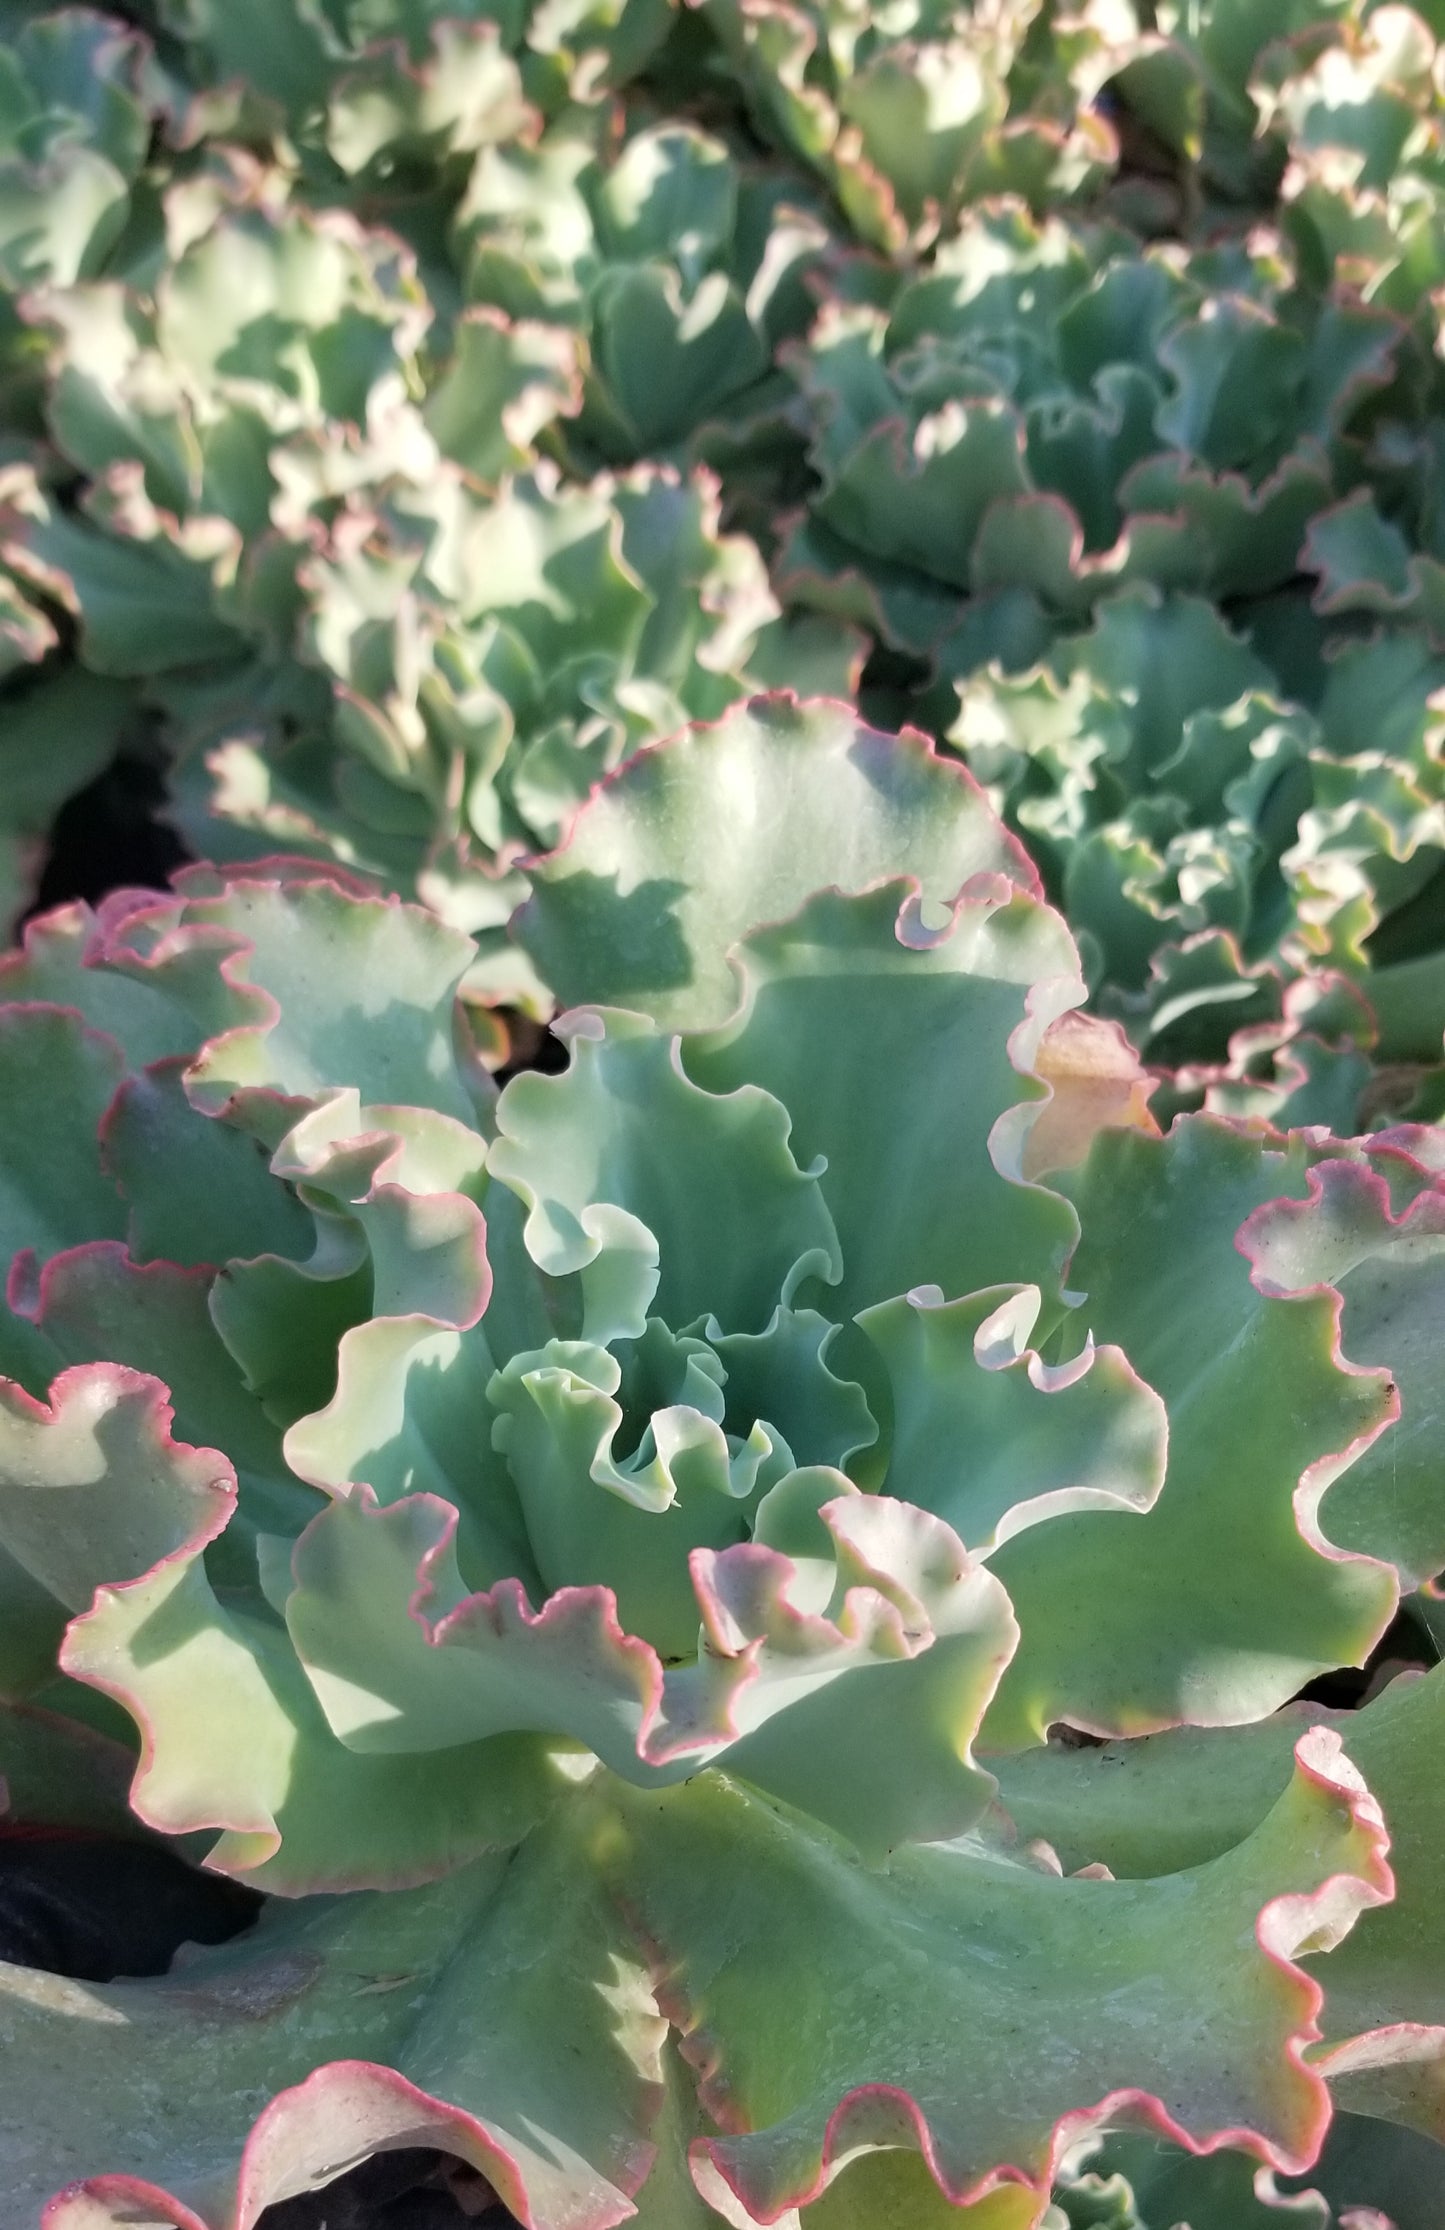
(836, 2069)
(625, 1116)
(1386, 1262)
(993, 1438)
(1045, 411)
(902, 1788)
(504, 383)
(679, 273)
(639, 909)
(1385, 2012)
(1211, 839)
(302, 944)
(576, 2153)
(1177, 1801)
(77, 105)
(103, 1442)
(298, 1811)
(493, 656)
(1176, 1653)
(351, 2017)
(142, 584)
(410, 80)
(909, 120)
(598, 1514)
(93, 1300)
(845, 1009)
(269, 326)
(388, 110)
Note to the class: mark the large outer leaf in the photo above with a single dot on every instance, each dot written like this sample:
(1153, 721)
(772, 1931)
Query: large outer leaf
(553, 2093)
(1391, 1269)
(733, 825)
(773, 1974)
(1118, 1634)
(1181, 1799)
(426, 2019)
(1386, 2005)
(902, 1055)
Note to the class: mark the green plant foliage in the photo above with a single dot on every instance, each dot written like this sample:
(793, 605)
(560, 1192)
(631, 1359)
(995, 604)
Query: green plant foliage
(1080, 365)
(683, 272)
(608, 1555)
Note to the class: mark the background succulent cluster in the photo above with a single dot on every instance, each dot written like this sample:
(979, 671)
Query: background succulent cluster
(408, 410)
(814, 1562)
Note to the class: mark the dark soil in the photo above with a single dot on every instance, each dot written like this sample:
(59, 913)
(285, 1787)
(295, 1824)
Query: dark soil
(108, 837)
(95, 1908)
(396, 2191)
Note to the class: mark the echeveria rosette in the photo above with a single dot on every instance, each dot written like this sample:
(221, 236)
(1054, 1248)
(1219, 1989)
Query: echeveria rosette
(1170, 116)
(1042, 457)
(1047, 414)
(477, 659)
(915, 113)
(373, 626)
(364, 92)
(78, 110)
(77, 115)
(679, 1473)
(680, 270)
(1357, 101)
(270, 325)
(274, 335)
(1249, 875)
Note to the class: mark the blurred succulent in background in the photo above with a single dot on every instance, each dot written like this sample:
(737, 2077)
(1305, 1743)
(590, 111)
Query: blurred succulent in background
(680, 272)
(400, 384)
(366, 628)
(76, 107)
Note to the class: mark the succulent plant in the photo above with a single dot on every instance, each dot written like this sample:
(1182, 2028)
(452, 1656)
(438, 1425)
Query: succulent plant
(77, 114)
(680, 271)
(1048, 414)
(334, 307)
(912, 113)
(369, 625)
(1241, 871)
(365, 88)
(608, 1555)
(1140, 515)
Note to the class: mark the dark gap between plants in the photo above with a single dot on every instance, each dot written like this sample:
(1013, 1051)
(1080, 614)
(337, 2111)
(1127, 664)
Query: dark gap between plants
(531, 1046)
(97, 1908)
(1404, 1642)
(109, 836)
(412, 2190)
